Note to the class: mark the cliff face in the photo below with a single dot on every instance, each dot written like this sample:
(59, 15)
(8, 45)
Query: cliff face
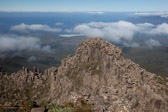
(98, 74)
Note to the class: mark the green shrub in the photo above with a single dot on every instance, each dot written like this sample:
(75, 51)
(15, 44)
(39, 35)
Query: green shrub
(59, 108)
(70, 107)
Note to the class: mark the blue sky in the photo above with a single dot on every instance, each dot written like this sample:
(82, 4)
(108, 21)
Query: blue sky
(83, 5)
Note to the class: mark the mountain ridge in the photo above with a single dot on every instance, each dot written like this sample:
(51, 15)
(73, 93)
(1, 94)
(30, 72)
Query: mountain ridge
(97, 73)
(107, 71)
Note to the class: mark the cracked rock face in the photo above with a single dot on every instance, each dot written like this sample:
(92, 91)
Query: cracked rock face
(99, 74)
(24, 85)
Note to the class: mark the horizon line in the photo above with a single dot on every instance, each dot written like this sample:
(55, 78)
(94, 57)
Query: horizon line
(82, 11)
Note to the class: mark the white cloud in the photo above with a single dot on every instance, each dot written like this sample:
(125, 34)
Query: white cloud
(34, 27)
(59, 24)
(32, 59)
(96, 12)
(152, 43)
(115, 31)
(12, 44)
(112, 31)
(160, 29)
(144, 27)
(161, 14)
(119, 31)
(46, 48)
(70, 35)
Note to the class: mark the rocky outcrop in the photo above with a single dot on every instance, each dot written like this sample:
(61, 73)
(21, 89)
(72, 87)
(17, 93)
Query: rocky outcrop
(24, 85)
(39, 109)
(97, 73)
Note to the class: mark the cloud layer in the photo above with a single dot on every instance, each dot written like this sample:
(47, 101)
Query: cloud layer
(119, 31)
(34, 27)
(12, 44)
(159, 29)
(161, 14)
(152, 43)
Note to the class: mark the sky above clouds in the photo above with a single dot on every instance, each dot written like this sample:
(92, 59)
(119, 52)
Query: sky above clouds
(83, 5)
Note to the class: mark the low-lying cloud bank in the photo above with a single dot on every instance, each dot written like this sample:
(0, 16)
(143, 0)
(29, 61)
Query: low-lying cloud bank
(152, 43)
(119, 31)
(13, 45)
(34, 27)
(161, 14)
(159, 29)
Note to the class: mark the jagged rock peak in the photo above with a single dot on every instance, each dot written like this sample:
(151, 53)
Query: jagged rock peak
(101, 45)
(94, 50)
(99, 74)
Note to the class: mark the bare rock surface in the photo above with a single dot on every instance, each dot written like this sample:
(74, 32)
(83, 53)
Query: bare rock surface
(96, 73)
(39, 109)
(25, 85)
(99, 74)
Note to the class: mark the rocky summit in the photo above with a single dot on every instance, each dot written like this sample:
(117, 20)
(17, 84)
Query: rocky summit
(97, 73)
